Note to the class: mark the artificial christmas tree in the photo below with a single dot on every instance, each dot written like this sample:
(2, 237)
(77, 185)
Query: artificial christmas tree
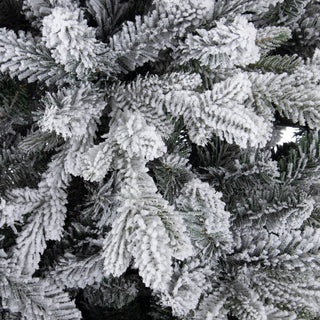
(140, 177)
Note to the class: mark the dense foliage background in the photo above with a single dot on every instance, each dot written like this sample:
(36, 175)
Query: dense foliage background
(171, 120)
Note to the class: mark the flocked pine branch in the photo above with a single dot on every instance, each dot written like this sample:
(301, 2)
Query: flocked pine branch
(46, 222)
(79, 272)
(297, 102)
(202, 208)
(36, 298)
(72, 43)
(153, 224)
(141, 41)
(227, 44)
(16, 51)
(270, 38)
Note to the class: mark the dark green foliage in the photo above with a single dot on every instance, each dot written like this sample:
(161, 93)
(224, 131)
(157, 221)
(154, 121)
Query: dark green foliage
(11, 15)
(141, 308)
(308, 33)
(100, 202)
(16, 106)
(170, 179)
(5, 314)
(231, 169)
(277, 63)
(39, 141)
(17, 169)
(299, 163)
(283, 13)
(172, 172)
(108, 15)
